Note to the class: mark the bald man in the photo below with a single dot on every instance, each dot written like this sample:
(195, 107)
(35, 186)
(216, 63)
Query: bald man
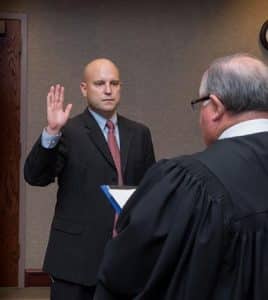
(79, 154)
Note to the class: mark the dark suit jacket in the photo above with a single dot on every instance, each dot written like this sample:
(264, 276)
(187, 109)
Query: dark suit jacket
(83, 218)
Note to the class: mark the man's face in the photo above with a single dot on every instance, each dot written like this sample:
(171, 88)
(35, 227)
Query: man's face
(102, 87)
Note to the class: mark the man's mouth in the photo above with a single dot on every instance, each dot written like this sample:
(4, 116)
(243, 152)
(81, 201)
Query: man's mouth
(108, 100)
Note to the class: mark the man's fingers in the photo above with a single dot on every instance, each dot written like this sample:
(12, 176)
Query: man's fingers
(49, 99)
(68, 109)
(52, 92)
(50, 96)
(57, 93)
(61, 94)
(55, 98)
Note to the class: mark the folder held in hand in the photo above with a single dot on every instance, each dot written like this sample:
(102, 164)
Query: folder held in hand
(118, 195)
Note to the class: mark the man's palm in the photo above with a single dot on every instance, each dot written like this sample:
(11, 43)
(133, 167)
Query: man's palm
(56, 115)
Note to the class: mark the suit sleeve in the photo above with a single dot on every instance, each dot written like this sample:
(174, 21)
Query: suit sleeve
(43, 165)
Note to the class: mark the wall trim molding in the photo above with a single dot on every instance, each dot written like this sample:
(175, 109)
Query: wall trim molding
(36, 277)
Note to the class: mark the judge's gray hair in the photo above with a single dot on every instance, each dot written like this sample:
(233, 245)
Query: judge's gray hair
(240, 81)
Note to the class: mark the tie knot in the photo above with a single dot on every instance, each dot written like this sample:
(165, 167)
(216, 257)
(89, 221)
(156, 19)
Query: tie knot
(110, 125)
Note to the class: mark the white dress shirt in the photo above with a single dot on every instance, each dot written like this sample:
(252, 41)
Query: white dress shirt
(245, 128)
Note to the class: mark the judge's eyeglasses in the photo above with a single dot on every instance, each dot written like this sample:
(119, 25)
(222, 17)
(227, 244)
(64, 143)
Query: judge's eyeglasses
(199, 100)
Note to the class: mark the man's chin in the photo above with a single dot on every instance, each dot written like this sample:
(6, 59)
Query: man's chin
(109, 107)
(109, 110)
(105, 111)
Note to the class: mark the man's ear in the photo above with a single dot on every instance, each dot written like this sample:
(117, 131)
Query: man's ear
(83, 88)
(218, 107)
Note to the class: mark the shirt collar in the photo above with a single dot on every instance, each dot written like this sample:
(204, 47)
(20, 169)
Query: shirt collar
(245, 128)
(101, 120)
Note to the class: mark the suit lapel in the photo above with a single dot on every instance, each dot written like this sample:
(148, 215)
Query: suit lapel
(125, 134)
(96, 136)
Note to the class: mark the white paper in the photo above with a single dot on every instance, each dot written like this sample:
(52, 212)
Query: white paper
(121, 195)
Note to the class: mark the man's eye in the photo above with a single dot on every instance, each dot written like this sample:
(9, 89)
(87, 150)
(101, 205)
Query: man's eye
(99, 83)
(115, 83)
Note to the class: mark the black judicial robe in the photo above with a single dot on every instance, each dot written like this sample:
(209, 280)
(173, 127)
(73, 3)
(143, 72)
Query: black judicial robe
(196, 228)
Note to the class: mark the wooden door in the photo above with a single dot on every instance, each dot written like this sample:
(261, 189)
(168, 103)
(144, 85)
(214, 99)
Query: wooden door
(10, 50)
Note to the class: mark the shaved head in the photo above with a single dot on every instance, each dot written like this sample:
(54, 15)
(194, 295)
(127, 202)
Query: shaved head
(98, 65)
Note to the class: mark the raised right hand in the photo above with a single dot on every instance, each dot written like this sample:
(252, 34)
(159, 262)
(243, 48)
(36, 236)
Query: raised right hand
(56, 115)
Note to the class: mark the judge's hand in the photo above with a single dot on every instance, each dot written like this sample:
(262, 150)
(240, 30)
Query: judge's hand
(56, 115)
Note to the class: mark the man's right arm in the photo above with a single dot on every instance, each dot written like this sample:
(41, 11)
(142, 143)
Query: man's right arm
(49, 141)
(44, 161)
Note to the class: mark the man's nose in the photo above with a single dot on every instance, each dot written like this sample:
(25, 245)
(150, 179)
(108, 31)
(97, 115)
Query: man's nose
(108, 89)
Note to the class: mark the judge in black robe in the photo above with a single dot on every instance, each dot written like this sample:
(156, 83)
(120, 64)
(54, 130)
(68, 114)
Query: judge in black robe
(197, 227)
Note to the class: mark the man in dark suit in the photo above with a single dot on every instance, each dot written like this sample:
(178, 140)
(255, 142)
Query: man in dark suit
(81, 154)
(197, 226)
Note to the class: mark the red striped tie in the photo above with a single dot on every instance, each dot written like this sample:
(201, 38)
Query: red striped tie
(114, 149)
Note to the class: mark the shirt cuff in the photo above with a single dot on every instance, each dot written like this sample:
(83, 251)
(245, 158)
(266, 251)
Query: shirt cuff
(49, 141)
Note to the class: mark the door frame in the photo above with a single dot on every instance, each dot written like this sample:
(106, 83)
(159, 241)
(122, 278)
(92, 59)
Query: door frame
(23, 139)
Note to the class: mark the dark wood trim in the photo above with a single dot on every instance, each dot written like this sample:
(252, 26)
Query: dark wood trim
(36, 277)
(10, 160)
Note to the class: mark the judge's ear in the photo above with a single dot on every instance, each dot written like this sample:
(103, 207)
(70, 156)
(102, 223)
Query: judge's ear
(83, 88)
(218, 107)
